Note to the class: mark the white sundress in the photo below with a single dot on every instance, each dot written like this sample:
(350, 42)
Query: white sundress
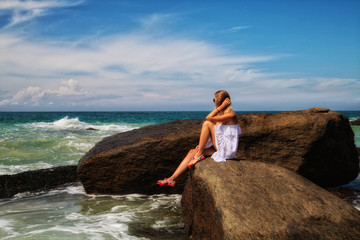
(226, 140)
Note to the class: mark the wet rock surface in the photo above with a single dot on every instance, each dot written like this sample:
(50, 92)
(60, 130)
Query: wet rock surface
(36, 180)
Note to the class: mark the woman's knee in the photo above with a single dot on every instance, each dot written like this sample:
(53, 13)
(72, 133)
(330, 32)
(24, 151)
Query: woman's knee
(208, 123)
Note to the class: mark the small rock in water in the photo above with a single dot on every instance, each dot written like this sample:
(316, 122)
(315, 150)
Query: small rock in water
(92, 129)
(36, 180)
(355, 122)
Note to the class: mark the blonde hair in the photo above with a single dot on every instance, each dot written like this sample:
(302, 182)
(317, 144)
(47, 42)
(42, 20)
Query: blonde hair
(221, 95)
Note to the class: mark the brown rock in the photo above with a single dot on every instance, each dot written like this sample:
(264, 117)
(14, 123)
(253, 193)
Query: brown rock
(316, 143)
(253, 200)
(91, 129)
(132, 162)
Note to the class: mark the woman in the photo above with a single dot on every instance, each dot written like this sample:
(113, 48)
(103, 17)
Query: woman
(219, 137)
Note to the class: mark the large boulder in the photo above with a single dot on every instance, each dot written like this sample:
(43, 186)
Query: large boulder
(254, 200)
(316, 143)
(132, 162)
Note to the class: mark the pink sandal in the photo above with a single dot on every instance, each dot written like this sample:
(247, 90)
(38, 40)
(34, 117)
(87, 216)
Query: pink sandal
(198, 159)
(167, 183)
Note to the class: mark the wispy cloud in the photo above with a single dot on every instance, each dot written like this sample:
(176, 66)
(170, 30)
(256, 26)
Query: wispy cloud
(238, 28)
(156, 20)
(24, 11)
(133, 54)
(337, 84)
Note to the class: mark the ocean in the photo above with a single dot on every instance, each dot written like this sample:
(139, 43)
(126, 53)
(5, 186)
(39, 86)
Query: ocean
(37, 140)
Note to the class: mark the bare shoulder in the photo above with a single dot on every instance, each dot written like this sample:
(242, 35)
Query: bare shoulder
(232, 120)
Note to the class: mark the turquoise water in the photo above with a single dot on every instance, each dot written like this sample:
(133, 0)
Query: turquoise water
(31, 141)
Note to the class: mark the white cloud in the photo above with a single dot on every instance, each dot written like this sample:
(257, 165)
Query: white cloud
(34, 95)
(4, 102)
(139, 71)
(70, 88)
(136, 57)
(24, 11)
(31, 93)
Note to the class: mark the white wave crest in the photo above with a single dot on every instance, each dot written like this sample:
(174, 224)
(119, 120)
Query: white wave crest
(74, 124)
(14, 169)
(69, 123)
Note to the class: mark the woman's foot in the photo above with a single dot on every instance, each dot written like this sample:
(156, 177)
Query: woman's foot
(195, 160)
(166, 182)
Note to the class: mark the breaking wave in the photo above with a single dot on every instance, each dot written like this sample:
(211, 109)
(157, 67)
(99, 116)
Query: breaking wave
(74, 124)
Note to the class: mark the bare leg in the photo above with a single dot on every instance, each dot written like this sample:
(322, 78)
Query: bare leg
(207, 131)
(183, 165)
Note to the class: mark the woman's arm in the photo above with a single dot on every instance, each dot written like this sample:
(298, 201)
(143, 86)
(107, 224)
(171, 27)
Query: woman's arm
(212, 116)
(221, 118)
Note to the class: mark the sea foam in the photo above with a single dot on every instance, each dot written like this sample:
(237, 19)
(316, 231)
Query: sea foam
(6, 226)
(13, 169)
(67, 212)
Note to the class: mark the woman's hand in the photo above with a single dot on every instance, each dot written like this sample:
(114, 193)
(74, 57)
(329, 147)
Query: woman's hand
(225, 103)
(221, 118)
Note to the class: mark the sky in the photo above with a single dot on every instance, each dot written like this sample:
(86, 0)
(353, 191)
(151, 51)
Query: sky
(167, 55)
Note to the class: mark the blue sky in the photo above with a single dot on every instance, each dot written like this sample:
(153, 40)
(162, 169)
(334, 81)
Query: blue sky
(81, 55)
